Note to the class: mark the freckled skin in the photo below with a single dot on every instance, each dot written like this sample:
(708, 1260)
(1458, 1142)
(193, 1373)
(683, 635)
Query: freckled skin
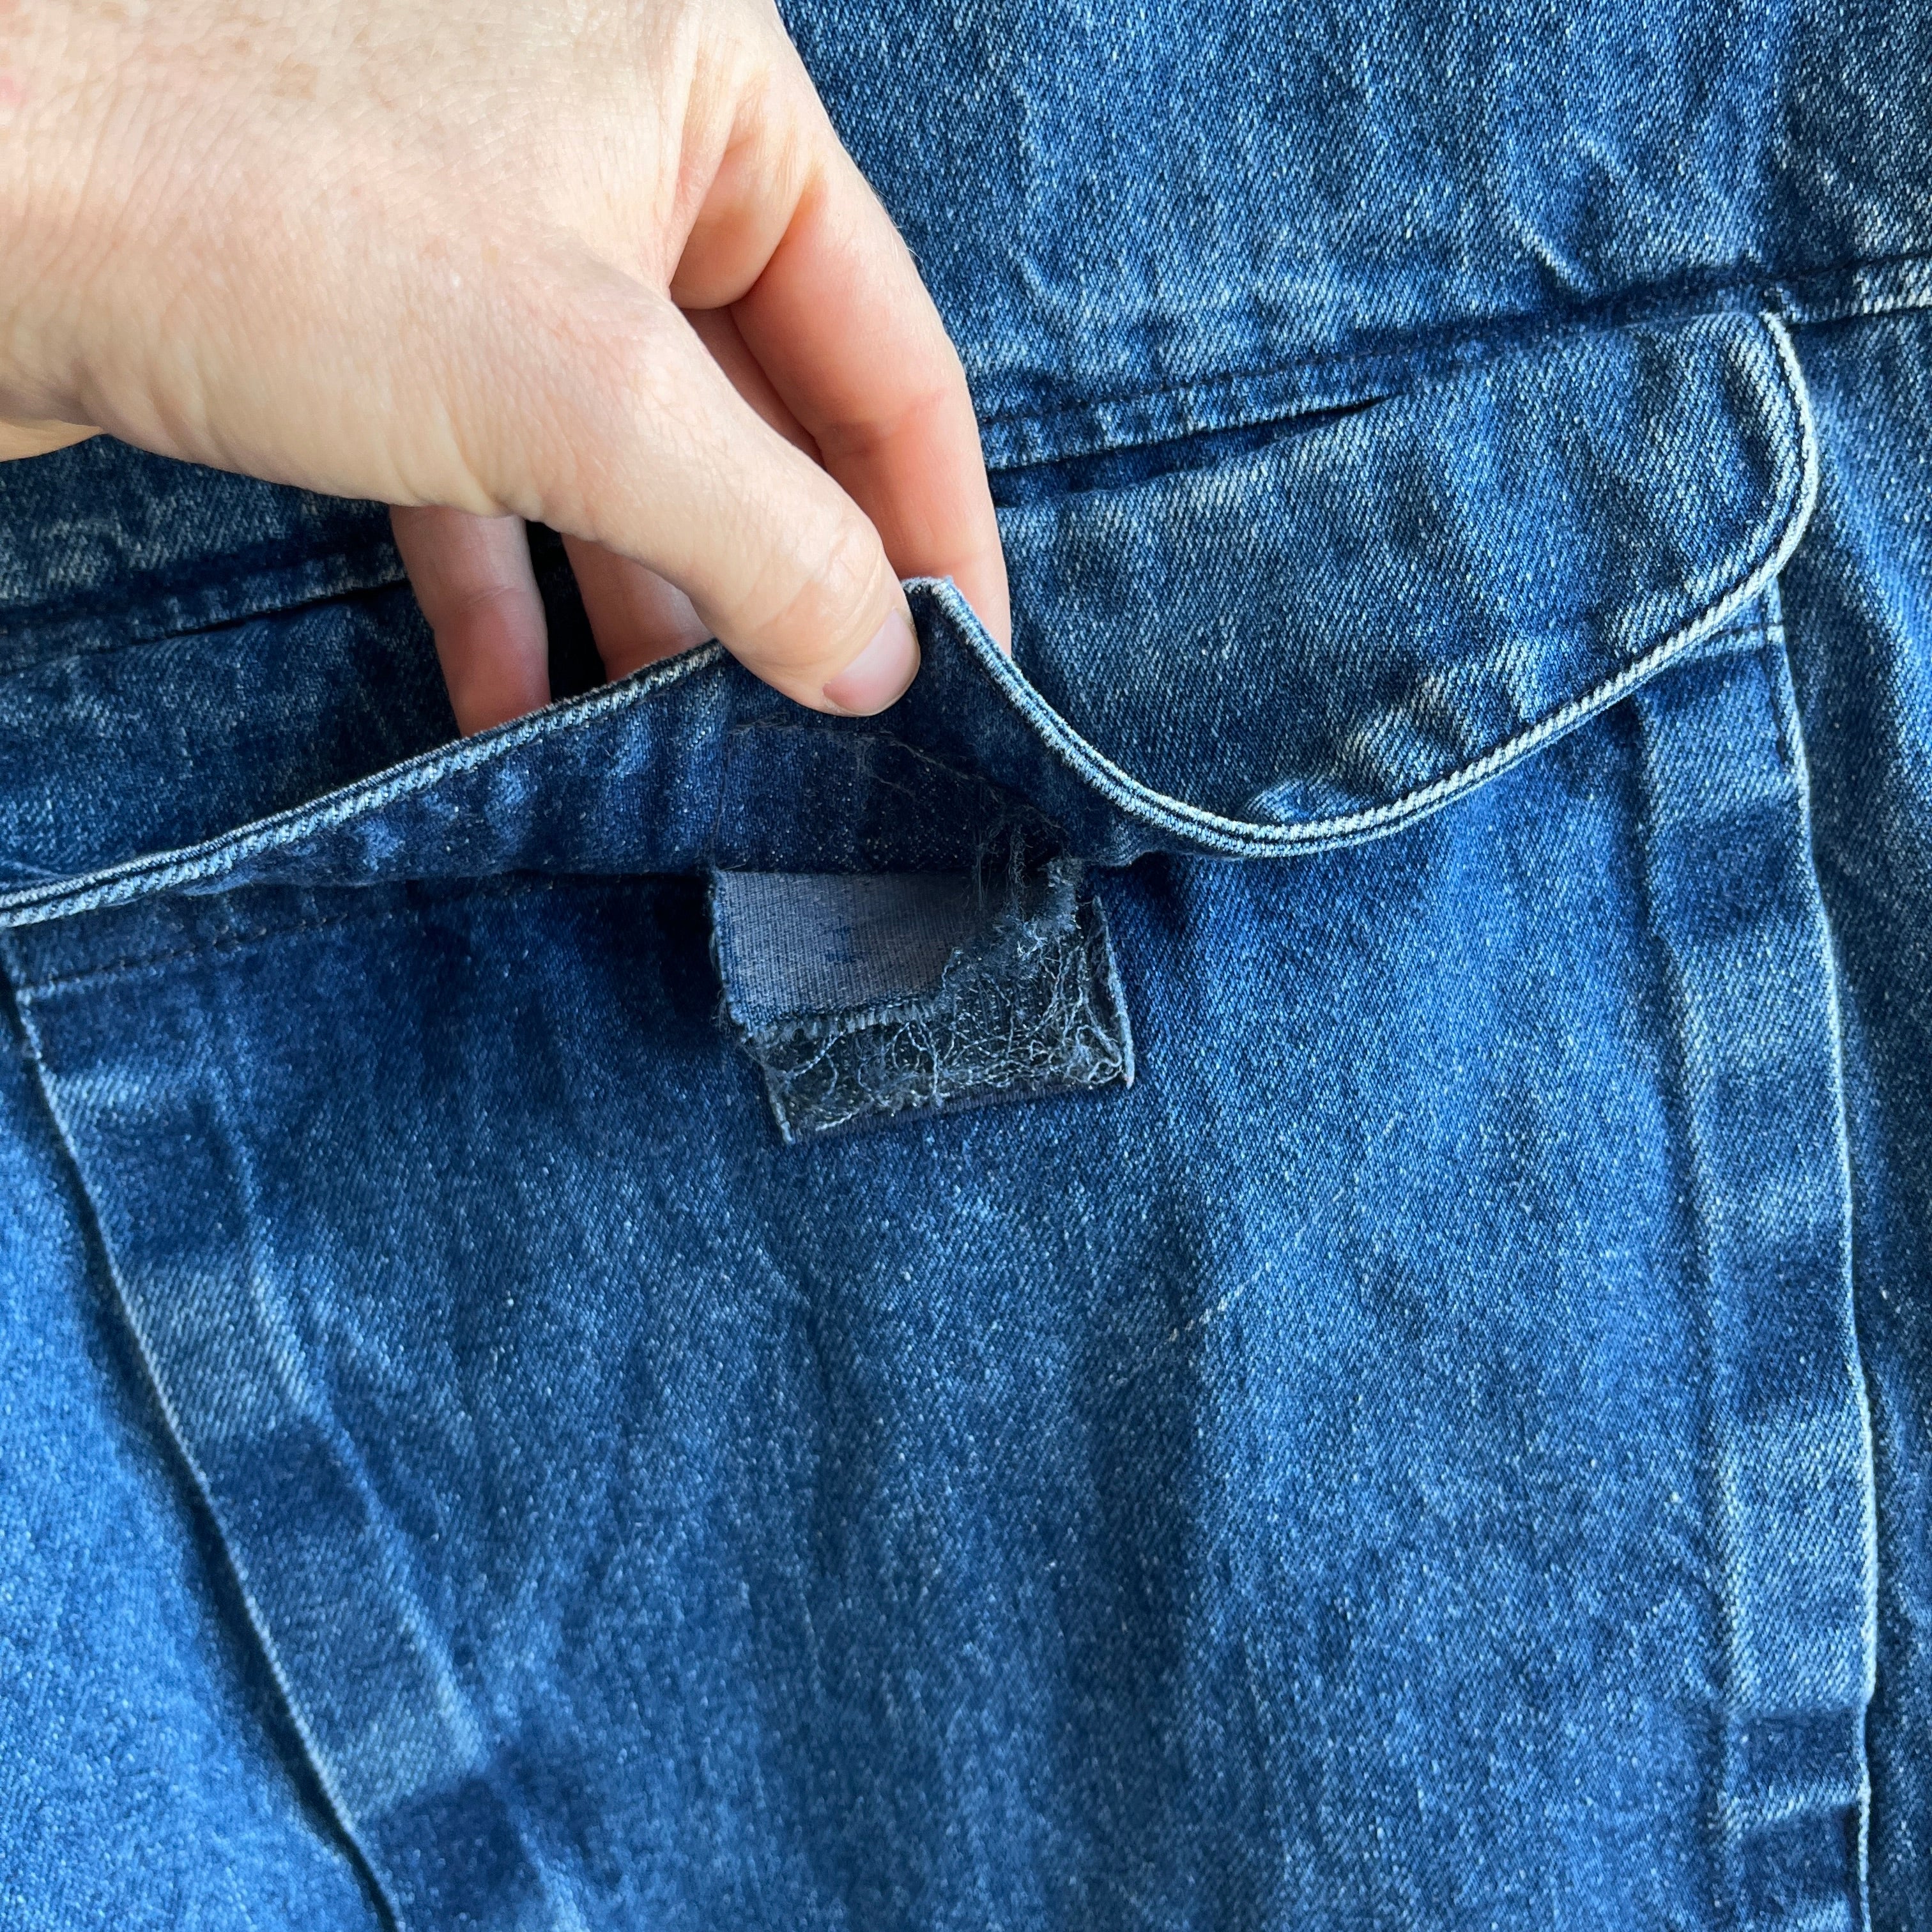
(611, 269)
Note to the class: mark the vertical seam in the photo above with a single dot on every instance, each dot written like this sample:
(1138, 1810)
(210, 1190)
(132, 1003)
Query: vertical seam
(96, 1239)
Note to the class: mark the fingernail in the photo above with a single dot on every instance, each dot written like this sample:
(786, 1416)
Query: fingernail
(880, 672)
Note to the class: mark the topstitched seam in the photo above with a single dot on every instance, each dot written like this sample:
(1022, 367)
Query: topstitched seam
(226, 853)
(1479, 337)
(1238, 838)
(211, 858)
(503, 885)
(357, 572)
(339, 1812)
(1743, 627)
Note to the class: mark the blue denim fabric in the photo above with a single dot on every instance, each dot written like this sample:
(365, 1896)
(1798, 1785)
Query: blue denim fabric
(1271, 1267)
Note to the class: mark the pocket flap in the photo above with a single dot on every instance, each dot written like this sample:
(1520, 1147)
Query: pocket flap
(1318, 636)
(1296, 637)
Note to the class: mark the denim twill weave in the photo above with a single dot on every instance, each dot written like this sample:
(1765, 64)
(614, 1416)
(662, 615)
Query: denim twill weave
(553, 1380)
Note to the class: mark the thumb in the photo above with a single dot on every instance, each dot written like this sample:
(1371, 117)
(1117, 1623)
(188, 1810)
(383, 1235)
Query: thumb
(38, 438)
(647, 449)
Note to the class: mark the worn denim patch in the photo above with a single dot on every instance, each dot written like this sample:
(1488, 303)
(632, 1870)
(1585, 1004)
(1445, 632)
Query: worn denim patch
(863, 996)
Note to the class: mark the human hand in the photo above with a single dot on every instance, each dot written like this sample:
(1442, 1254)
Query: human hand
(607, 267)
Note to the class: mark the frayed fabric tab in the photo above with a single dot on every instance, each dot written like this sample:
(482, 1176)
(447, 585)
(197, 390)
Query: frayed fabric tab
(867, 997)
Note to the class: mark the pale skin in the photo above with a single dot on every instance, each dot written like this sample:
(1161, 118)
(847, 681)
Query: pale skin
(604, 265)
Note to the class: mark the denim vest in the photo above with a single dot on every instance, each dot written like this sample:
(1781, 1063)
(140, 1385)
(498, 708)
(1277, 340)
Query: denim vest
(1269, 1266)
